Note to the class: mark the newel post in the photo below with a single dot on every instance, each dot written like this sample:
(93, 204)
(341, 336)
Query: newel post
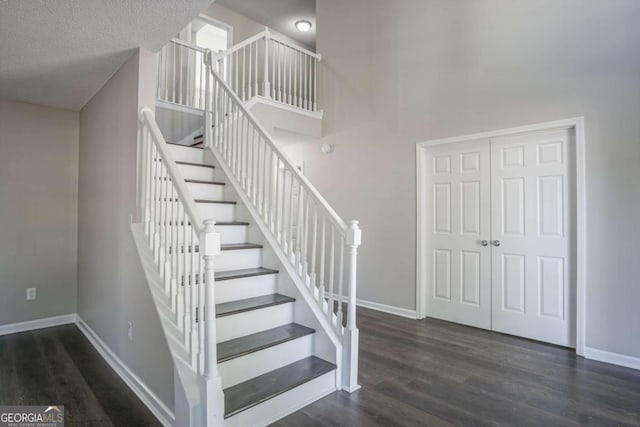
(213, 397)
(207, 98)
(351, 333)
(266, 86)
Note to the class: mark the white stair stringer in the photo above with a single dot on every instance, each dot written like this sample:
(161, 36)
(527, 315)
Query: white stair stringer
(190, 405)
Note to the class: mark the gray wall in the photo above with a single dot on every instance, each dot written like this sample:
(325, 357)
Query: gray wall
(243, 27)
(415, 70)
(112, 287)
(38, 199)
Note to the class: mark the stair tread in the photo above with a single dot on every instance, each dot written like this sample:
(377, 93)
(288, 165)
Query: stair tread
(242, 346)
(249, 304)
(264, 387)
(245, 272)
(222, 202)
(224, 247)
(180, 162)
(201, 181)
(185, 146)
(238, 246)
(232, 223)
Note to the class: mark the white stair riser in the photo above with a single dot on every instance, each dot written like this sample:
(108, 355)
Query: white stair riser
(238, 259)
(233, 233)
(243, 368)
(282, 405)
(250, 322)
(246, 287)
(217, 211)
(186, 154)
(206, 191)
(197, 172)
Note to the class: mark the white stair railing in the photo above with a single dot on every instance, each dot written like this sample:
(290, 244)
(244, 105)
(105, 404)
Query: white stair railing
(270, 66)
(264, 65)
(181, 74)
(184, 247)
(302, 227)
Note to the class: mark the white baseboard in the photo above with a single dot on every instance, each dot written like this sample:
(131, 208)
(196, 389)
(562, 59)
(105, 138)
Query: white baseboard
(390, 309)
(31, 325)
(398, 311)
(155, 405)
(613, 358)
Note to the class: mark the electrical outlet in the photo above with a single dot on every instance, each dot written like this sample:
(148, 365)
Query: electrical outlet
(31, 294)
(130, 330)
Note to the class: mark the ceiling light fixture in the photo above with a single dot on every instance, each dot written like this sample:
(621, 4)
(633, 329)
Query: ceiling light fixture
(303, 25)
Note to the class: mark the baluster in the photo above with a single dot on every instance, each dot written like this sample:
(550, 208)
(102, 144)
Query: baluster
(340, 285)
(256, 165)
(315, 85)
(287, 65)
(153, 202)
(174, 260)
(276, 218)
(161, 240)
(179, 80)
(244, 61)
(331, 273)
(322, 266)
(179, 274)
(242, 177)
(257, 67)
(251, 69)
(279, 71)
(146, 172)
(173, 72)
(294, 100)
(266, 90)
(305, 247)
(234, 71)
(304, 80)
(299, 230)
(263, 179)
(191, 289)
(290, 225)
(314, 242)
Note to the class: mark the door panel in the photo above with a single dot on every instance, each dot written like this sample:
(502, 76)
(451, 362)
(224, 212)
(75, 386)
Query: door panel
(530, 186)
(459, 219)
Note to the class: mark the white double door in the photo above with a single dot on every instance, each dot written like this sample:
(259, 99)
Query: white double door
(500, 241)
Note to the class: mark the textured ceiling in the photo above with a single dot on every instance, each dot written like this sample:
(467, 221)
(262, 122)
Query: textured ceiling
(280, 15)
(60, 52)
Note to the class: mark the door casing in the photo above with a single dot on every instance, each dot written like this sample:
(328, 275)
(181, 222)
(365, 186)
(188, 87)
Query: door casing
(424, 203)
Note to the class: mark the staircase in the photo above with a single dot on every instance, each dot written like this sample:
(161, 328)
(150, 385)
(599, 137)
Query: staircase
(247, 267)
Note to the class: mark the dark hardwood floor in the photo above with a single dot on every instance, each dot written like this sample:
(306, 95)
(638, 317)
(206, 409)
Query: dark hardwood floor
(413, 373)
(434, 373)
(59, 366)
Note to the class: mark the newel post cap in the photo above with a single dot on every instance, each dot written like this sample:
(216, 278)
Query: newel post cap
(354, 234)
(209, 239)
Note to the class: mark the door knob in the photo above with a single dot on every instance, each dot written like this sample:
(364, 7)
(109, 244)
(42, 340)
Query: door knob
(495, 242)
(484, 242)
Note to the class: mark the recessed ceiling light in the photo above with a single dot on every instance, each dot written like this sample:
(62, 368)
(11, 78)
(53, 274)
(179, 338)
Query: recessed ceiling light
(303, 25)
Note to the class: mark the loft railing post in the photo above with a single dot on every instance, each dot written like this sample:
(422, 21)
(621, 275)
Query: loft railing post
(213, 397)
(207, 98)
(351, 333)
(266, 87)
